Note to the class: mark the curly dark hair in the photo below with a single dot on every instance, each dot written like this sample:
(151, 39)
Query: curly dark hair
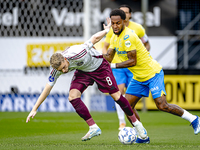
(118, 12)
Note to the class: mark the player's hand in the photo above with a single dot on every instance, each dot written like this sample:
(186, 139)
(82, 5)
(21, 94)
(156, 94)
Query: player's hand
(108, 24)
(31, 114)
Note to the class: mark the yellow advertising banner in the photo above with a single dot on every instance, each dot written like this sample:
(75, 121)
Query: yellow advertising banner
(38, 55)
(182, 90)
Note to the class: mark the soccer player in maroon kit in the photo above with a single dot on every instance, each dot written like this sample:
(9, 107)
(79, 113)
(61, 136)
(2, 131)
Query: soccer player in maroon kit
(90, 67)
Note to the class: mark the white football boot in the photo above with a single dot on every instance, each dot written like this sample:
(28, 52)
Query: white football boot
(93, 131)
(141, 131)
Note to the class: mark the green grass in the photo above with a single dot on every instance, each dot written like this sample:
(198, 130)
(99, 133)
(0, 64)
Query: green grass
(59, 131)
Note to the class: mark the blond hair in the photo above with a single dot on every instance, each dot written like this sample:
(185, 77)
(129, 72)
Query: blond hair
(56, 60)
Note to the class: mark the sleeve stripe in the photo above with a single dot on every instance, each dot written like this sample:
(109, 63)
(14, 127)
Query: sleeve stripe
(63, 52)
(79, 55)
(53, 72)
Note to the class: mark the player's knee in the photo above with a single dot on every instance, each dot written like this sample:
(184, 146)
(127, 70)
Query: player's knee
(71, 97)
(116, 95)
(73, 94)
(163, 107)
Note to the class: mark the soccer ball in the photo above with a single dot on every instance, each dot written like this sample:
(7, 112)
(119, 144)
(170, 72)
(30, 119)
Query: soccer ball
(127, 135)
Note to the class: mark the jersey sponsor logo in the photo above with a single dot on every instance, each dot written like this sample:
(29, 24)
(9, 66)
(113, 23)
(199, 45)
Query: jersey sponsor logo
(120, 52)
(127, 43)
(126, 37)
(51, 79)
(79, 63)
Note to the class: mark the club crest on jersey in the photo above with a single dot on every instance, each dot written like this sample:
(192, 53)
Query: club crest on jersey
(51, 79)
(79, 63)
(126, 37)
(127, 43)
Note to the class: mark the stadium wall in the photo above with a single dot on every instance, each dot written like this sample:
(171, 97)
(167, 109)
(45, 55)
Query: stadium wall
(183, 90)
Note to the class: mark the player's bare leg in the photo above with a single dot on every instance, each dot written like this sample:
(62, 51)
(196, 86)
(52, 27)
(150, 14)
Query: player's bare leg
(162, 105)
(133, 101)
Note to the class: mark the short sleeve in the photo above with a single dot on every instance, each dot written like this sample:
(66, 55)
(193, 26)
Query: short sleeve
(144, 39)
(53, 76)
(141, 31)
(89, 44)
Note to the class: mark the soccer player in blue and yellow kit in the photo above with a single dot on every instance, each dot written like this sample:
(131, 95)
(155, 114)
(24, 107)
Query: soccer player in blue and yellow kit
(148, 73)
(123, 76)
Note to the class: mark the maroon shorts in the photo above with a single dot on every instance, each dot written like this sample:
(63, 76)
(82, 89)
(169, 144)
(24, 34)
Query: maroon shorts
(103, 77)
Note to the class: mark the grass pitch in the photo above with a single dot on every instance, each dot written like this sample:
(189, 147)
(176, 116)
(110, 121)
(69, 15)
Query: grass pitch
(57, 131)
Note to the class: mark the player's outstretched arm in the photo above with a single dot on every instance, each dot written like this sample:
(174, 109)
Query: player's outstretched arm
(31, 114)
(41, 98)
(99, 35)
(105, 47)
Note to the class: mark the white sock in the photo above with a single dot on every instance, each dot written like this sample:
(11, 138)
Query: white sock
(94, 125)
(188, 116)
(136, 122)
(120, 114)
